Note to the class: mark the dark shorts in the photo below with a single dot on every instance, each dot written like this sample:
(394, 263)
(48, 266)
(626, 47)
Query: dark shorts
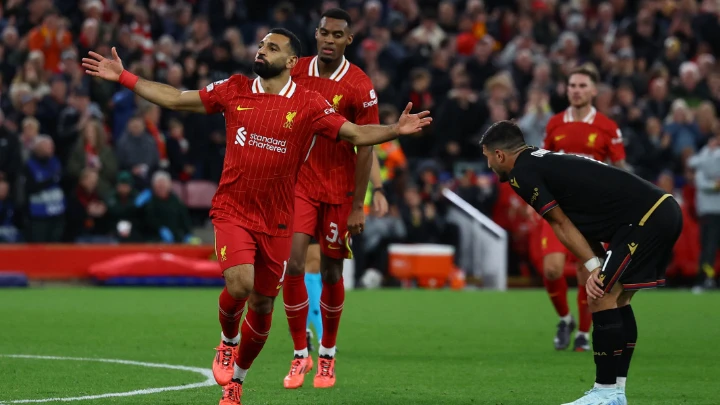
(638, 255)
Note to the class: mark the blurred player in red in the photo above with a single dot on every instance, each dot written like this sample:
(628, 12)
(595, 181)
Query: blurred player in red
(270, 123)
(329, 197)
(579, 130)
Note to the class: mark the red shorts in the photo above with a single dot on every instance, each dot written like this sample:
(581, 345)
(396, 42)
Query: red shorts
(235, 245)
(549, 243)
(325, 222)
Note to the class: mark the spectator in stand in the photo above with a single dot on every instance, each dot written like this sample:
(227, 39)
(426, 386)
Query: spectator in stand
(31, 79)
(73, 118)
(8, 229)
(690, 88)
(91, 151)
(124, 214)
(420, 218)
(10, 154)
(166, 218)
(52, 37)
(44, 197)
(707, 182)
(30, 131)
(461, 116)
(52, 105)
(679, 124)
(87, 219)
(650, 151)
(151, 118)
(137, 152)
(658, 102)
(178, 150)
(536, 115)
(706, 123)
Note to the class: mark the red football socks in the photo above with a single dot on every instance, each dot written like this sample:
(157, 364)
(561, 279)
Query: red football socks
(557, 289)
(331, 306)
(255, 330)
(584, 310)
(296, 301)
(231, 311)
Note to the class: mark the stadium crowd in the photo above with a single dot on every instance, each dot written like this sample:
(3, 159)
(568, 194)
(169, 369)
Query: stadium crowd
(86, 160)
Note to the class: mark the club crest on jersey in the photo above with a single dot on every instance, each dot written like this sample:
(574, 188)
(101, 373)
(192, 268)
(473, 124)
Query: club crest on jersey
(289, 118)
(591, 140)
(336, 102)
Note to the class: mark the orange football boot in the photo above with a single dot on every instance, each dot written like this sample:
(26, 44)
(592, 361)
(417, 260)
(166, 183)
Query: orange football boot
(231, 394)
(223, 364)
(298, 368)
(325, 377)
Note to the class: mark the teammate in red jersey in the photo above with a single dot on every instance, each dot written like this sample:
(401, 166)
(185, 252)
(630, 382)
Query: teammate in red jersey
(270, 126)
(329, 196)
(579, 130)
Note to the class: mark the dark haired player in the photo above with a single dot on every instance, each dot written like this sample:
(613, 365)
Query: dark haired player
(271, 123)
(587, 202)
(580, 130)
(329, 196)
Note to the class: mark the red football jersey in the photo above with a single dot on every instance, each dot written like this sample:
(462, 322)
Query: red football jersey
(595, 136)
(329, 173)
(268, 136)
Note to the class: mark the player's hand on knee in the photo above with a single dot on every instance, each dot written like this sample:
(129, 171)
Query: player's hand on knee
(594, 286)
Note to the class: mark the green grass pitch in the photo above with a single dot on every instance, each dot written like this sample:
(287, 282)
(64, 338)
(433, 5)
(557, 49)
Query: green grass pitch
(395, 347)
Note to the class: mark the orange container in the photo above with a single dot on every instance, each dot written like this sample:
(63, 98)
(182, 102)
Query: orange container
(429, 264)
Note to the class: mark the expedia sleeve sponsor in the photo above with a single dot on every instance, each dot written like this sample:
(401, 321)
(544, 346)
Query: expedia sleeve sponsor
(368, 104)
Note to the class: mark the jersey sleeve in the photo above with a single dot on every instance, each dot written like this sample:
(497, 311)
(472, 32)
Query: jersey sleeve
(366, 108)
(616, 149)
(325, 120)
(531, 188)
(216, 95)
(547, 142)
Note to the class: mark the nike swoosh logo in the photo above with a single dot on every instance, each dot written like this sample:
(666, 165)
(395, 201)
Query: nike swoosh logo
(333, 247)
(244, 108)
(557, 138)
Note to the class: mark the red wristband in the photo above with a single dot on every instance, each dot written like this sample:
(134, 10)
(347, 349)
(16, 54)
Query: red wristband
(128, 79)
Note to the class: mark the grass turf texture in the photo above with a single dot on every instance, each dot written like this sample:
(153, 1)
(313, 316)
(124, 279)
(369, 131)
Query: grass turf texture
(395, 347)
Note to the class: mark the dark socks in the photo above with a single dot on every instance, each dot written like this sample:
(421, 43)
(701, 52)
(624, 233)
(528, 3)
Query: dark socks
(630, 332)
(608, 343)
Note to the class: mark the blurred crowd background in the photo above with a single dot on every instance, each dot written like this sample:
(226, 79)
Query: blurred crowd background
(86, 160)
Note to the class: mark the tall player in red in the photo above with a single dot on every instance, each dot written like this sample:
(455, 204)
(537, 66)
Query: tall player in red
(580, 130)
(270, 126)
(329, 197)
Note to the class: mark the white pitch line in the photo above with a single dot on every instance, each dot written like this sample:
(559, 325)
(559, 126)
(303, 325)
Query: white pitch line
(210, 380)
